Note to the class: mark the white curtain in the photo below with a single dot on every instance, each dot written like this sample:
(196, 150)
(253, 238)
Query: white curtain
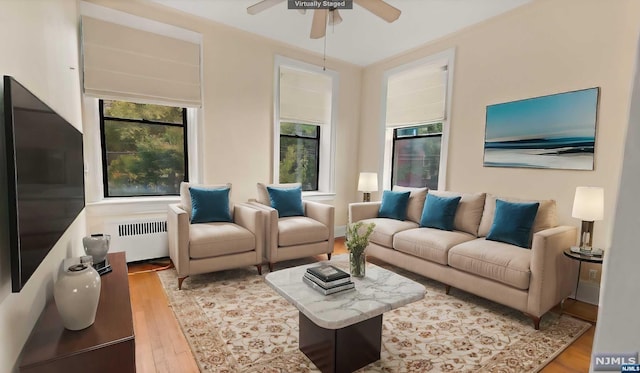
(304, 96)
(125, 63)
(417, 96)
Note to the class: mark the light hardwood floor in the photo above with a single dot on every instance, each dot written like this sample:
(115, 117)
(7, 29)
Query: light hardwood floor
(161, 346)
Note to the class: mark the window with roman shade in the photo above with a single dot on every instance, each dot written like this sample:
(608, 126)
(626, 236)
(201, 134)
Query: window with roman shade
(304, 140)
(125, 63)
(416, 123)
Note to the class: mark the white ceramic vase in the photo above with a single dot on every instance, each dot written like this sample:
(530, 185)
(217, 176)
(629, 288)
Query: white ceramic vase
(97, 245)
(77, 293)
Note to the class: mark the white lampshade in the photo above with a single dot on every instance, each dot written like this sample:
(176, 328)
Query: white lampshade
(588, 204)
(368, 182)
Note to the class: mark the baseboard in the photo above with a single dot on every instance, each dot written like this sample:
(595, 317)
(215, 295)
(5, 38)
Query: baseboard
(589, 292)
(339, 231)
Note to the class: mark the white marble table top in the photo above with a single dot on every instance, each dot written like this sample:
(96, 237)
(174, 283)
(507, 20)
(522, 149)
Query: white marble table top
(378, 292)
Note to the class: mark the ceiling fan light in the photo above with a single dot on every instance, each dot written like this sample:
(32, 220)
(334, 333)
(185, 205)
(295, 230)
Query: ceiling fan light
(334, 18)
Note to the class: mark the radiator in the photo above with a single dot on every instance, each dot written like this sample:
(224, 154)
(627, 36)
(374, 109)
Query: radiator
(140, 239)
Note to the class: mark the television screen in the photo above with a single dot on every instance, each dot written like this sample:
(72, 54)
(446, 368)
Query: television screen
(45, 178)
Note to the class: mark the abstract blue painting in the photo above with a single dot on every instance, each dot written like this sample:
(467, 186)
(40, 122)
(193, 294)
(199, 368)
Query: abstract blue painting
(556, 131)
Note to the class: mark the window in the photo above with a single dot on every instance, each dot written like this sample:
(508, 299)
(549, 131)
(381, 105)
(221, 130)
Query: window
(300, 154)
(416, 122)
(144, 150)
(303, 141)
(416, 156)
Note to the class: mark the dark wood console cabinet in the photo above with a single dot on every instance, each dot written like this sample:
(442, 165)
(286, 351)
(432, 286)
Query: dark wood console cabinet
(106, 346)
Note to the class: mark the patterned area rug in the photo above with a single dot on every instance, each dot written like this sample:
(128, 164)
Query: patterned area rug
(235, 322)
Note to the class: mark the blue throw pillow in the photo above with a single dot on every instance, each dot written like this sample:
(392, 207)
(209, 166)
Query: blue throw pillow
(394, 205)
(512, 222)
(288, 201)
(439, 212)
(209, 205)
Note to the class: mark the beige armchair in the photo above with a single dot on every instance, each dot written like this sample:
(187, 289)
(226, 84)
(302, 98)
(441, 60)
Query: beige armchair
(209, 247)
(295, 236)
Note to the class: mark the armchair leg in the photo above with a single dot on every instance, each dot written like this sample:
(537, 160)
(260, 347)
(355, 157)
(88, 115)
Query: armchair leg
(270, 267)
(536, 321)
(447, 289)
(329, 256)
(180, 280)
(259, 266)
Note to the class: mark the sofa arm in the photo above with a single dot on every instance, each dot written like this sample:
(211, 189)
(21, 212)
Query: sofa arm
(363, 210)
(553, 275)
(251, 219)
(325, 214)
(178, 236)
(270, 222)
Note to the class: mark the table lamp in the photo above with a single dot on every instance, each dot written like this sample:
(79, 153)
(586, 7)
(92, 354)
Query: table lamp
(368, 183)
(588, 205)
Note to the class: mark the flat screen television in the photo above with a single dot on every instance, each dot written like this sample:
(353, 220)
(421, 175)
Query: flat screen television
(45, 178)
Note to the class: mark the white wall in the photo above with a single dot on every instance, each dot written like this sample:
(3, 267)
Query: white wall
(618, 322)
(39, 44)
(541, 48)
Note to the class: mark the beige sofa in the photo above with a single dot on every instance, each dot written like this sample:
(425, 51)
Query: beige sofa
(530, 280)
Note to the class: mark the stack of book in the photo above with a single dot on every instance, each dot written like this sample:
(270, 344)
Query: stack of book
(328, 279)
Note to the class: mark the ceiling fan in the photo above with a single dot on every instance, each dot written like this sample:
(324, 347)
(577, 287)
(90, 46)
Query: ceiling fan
(323, 16)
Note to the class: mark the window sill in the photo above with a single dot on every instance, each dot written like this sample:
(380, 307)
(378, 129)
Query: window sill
(318, 196)
(130, 206)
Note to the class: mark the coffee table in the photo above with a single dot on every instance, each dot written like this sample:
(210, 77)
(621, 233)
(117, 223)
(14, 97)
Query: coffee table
(342, 332)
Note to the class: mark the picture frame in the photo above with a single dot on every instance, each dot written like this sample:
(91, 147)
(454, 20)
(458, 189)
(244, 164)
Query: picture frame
(556, 131)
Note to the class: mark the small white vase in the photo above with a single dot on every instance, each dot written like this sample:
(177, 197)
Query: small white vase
(77, 293)
(97, 245)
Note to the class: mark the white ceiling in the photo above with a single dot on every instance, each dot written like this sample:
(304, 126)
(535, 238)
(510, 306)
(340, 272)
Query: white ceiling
(362, 38)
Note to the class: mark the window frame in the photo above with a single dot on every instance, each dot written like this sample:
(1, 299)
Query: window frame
(103, 149)
(386, 134)
(318, 148)
(326, 167)
(412, 137)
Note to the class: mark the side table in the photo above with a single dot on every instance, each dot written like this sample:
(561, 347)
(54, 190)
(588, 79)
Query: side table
(582, 258)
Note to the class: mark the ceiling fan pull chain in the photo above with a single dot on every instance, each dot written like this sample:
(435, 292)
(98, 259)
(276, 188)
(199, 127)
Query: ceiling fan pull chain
(324, 54)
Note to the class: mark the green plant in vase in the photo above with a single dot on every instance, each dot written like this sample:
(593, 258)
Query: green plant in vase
(356, 244)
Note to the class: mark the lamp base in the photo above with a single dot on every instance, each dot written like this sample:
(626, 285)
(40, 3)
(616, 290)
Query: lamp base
(366, 197)
(586, 236)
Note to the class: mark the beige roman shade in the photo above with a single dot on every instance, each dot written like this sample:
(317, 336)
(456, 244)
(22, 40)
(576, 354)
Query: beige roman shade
(417, 96)
(125, 63)
(304, 96)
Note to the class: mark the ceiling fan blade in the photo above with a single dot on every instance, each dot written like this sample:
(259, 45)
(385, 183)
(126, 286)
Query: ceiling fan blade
(262, 5)
(334, 17)
(319, 25)
(380, 8)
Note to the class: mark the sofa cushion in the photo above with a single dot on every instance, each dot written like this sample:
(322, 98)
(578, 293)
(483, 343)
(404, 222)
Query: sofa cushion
(497, 261)
(386, 229)
(469, 210)
(439, 212)
(209, 205)
(394, 205)
(298, 230)
(215, 239)
(263, 194)
(417, 197)
(512, 222)
(288, 201)
(545, 218)
(185, 195)
(429, 243)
